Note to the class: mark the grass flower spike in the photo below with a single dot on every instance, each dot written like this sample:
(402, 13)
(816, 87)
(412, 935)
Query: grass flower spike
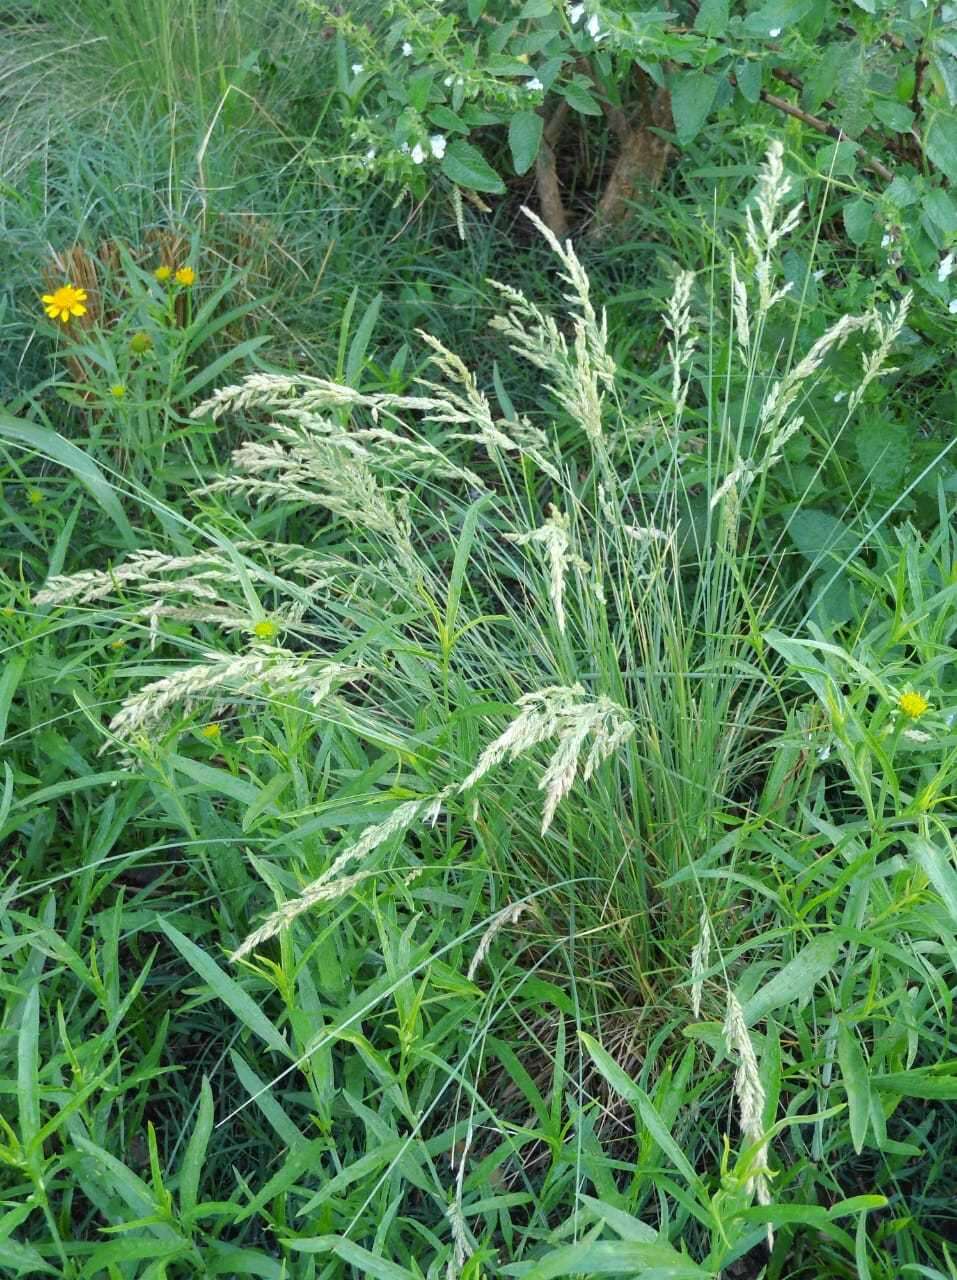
(65, 303)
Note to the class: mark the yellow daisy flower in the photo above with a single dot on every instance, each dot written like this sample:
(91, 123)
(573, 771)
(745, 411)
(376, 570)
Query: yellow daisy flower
(117, 391)
(163, 273)
(913, 705)
(64, 303)
(265, 629)
(186, 276)
(35, 497)
(211, 731)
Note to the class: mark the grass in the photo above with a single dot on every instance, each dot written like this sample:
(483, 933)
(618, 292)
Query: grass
(397, 819)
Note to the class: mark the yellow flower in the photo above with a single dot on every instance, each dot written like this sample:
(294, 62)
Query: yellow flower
(211, 731)
(35, 497)
(64, 303)
(117, 644)
(186, 276)
(163, 273)
(265, 629)
(913, 705)
(117, 391)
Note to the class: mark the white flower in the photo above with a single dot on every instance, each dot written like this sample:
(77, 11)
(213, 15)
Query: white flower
(418, 153)
(593, 26)
(824, 753)
(775, 31)
(952, 307)
(575, 12)
(839, 396)
(534, 84)
(437, 145)
(357, 68)
(404, 148)
(406, 49)
(885, 240)
(370, 154)
(819, 275)
(448, 80)
(945, 268)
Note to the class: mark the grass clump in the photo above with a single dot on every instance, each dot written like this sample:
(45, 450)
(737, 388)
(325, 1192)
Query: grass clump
(553, 882)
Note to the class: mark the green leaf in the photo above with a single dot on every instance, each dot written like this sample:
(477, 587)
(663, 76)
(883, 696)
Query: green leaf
(28, 1066)
(360, 342)
(367, 1264)
(195, 1152)
(712, 17)
(465, 165)
(938, 868)
(748, 75)
(916, 1084)
(940, 144)
(579, 99)
(229, 991)
(616, 1258)
(817, 534)
(626, 1087)
(692, 97)
(858, 219)
(53, 446)
(22, 1258)
(524, 137)
(12, 671)
(854, 1071)
(795, 980)
(940, 208)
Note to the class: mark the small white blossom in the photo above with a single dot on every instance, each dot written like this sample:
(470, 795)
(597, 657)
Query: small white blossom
(885, 240)
(406, 49)
(534, 84)
(819, 275)
(448, 80)
(370, 154)
(437, 144)
(575, 13)
(774, 32)
(952, 308)
(839, 397)
(945, 268)
(404, 148)
(593, 26)
(357, 68)
(824, 753)
(418, 153)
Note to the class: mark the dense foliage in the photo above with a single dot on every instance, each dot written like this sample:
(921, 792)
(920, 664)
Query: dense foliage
(477, 708)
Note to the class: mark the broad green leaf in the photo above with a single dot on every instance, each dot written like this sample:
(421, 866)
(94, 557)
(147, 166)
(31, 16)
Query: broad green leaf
(524, 138)
(227, 989)
(712, 17)
(692, 97)
(916, 1084)
(818, 534)
(796, 980)
(858, 219)
(616, 1258)
(367, 1264)
(24, 1259)
(50, 444)
(465, 165)
(28, 1066)
(748, 76)
(940, 143)
(579, 99)
(195, 1152)
(361, 339)
(854, 1072)
(12, 671)
(938, 868)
